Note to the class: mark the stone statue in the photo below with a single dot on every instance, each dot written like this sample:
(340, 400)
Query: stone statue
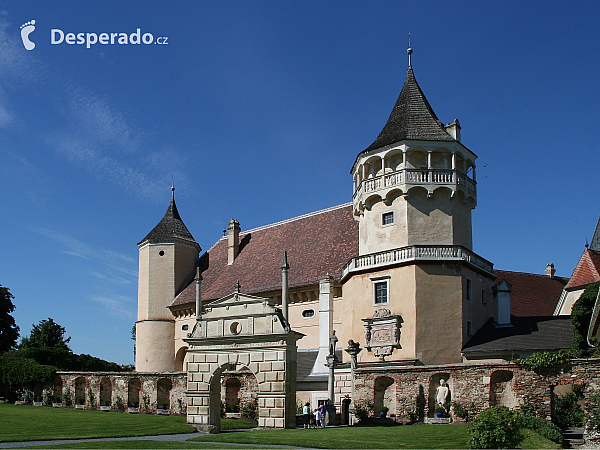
(368, 336)
(332, 341)
(441, 396)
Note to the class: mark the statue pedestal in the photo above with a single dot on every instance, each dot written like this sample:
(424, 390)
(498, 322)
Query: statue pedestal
(438, 420)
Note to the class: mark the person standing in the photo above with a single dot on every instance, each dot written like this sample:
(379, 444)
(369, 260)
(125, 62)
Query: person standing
(306, 414)
(323, 410)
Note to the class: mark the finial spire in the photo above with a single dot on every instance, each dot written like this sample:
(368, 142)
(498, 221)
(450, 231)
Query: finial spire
(172, 186)
(409, 51)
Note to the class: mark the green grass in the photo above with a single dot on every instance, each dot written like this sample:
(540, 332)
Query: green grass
(25, 423)
(29, 423)
(413, 436)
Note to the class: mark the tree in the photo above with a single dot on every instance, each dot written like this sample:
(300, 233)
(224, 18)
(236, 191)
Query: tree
(46, 334)
(9, 331)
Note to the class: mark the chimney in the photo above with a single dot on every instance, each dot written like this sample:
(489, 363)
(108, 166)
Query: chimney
(233, 240)
(550, 271)
(453, 129)
(502, 293)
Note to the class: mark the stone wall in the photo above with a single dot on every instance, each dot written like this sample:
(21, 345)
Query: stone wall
(475, 386)
(148, 390)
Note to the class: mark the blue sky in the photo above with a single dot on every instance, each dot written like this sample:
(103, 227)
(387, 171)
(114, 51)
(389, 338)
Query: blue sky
(258, 110)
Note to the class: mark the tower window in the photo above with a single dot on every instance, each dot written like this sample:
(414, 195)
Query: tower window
(380, 291)
(185, 327)
(469, 328)
(469, 290)
(308, 313)
(161, 253)
(387, 218)
(483, 299)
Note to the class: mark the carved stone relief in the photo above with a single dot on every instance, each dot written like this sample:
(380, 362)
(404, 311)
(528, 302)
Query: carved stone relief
(382, 333)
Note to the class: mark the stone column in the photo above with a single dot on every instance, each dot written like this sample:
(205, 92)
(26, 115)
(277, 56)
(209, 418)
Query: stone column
(353, 350)
(331, 411)
(198, 294)
(325, 322)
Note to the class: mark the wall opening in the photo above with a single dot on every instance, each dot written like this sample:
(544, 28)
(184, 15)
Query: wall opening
(80, 383)
(384, 395)
(105, 391)
(133, 392)
(163, 393)
(501, 389)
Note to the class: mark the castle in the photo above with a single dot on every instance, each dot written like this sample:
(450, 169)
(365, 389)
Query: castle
(393, 270)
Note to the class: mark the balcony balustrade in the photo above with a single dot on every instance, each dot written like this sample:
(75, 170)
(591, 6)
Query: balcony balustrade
(416, 253)
(430, 179)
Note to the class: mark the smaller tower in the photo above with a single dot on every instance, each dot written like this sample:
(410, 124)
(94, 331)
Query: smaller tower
(168, 257)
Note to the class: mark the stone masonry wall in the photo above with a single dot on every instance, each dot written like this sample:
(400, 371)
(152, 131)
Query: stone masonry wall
(120, 389)
(475, 386)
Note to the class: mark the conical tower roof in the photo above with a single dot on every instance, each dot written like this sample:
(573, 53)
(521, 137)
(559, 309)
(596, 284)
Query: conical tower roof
(171, 226)
(595, 244)
(412, 118)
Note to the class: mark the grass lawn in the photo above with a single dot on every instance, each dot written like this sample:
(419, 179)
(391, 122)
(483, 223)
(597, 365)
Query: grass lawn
(25, 423)
(421, 436)
(28, 423)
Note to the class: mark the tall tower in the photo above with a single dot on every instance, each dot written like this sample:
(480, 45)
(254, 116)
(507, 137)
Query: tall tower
(168, 256)
(413, 191)
(415, 184)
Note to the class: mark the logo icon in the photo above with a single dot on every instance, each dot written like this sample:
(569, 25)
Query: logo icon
(26, 29)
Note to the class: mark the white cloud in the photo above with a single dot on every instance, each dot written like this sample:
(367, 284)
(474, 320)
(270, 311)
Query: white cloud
(117, 305)
(80, 249)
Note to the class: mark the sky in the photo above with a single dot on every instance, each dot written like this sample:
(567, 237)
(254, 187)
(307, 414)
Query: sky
(257, 110)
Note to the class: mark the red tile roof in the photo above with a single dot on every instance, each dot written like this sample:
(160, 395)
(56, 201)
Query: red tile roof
(323, 242)
(318, 243)
(532, 294)
(587, 270)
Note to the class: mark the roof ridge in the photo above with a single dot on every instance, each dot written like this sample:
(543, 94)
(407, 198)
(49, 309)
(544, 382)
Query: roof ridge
(283, 222)
(528, 273)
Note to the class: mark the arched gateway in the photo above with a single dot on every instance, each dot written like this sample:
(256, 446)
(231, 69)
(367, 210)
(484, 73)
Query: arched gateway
(242, 330)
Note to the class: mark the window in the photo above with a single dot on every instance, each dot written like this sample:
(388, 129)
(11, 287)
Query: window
(469, 328)
(483, 299)
(184, 327)
(387, 218)
(381, 292)
(308, 313)
(469, 290)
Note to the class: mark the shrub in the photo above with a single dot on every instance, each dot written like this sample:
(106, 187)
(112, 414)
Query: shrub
(543, 427)
(249, 409)
(363, 410)
(119, 403)
(592, 417)
(496, 427)
(581, 313)
(567, 412)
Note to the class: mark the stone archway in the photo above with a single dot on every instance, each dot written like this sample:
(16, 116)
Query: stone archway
(105, 391)
(501, 389)
(249, 331)
(163, 393)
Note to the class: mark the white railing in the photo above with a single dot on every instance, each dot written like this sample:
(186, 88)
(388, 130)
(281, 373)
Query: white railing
(427, 177)
(417, 253)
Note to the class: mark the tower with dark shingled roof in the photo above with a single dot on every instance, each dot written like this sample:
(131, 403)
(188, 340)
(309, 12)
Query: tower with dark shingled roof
(168, 257)
(414, 189)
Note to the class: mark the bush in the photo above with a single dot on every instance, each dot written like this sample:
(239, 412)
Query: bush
(19, 372)
(543, 427)
(496, 427)
(363, 410)
(581, 313)
(249, 409)
(567, 412)
(592, 417)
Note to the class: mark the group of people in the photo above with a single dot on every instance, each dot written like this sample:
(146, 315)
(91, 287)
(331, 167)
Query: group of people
(316, 419)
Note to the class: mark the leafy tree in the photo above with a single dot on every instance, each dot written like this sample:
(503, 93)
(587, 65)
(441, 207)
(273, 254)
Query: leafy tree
(46, 334)
(9, 331)
(581, 314)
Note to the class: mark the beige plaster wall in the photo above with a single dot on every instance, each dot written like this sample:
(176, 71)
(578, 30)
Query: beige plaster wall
(358, 304)
(375, 237)
(309, 327)
(155, 346)
(420, 220)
